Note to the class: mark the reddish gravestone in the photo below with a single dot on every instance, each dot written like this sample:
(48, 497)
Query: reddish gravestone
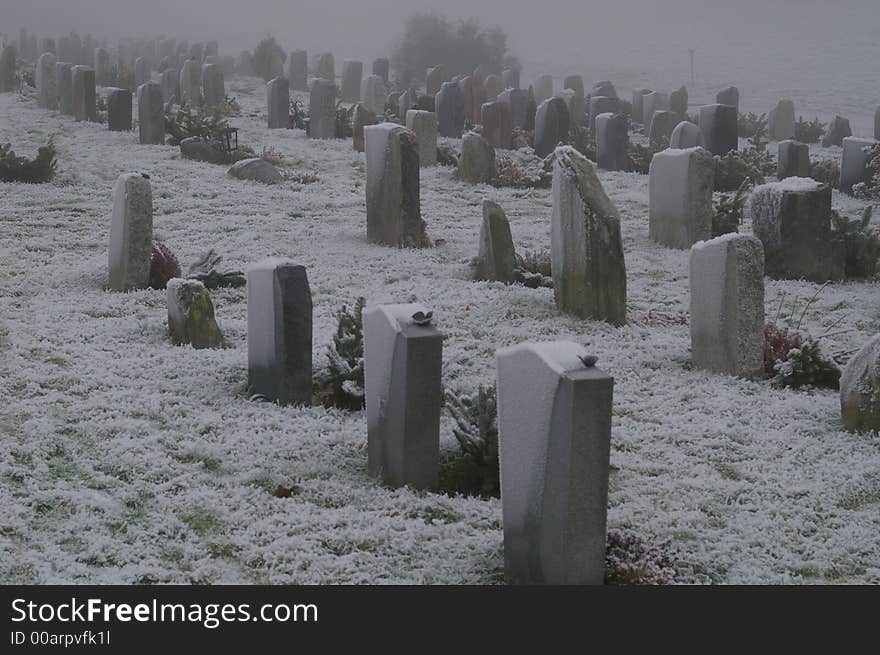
(495, 117)
(474, 96)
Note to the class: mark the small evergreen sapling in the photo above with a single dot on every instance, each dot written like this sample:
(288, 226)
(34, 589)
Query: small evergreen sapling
(808, 132)
(476, 429)
(21, 169)
(860, 242)
(728, 215)
(344, 381)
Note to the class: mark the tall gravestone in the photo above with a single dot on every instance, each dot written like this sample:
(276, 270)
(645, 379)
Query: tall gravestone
(497, 128)
(727, 305)
(718, 124)
(651, 102)
(838, 130)
(474, 96)
(119, 108)
(854, 162)
(213, 85)
(793, 159)
(510, 78)
(279, 318)
(860, 389)
(602, 105)
(373, 94)
(47, 95)
(638, 103)
(543, 88)
(403, 357)
(360, 118)
(64, 87)
(551, 126)
(728, 96)
(151, 115)
(496, 259)
(169, 82)
(424, 125)
(449, 103)
(877, 124)
(352, 73)
(678, 101)
(7, 69)
(435, 78)
(322, 109)
(298, 70)
(612, 141)
(589, 273)
(141, 71)
(190, 83)
(83, 83)
(325, 66)
(102, 67)
(131, 233)
(780, 121)
(381, 67)
(278, 103)
(680, 187)
(554, 424)
(518, 101)
(393, 207)
(493, 86)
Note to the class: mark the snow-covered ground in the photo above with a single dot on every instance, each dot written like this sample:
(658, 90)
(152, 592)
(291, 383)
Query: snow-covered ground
(125, 459)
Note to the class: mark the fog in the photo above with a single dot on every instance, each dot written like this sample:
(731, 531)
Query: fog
(802, 48)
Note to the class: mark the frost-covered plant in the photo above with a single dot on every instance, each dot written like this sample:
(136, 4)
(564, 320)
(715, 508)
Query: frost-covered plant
(640, 156)
(631, 561)
(344, 379)
(870, 188)
(206, 122)
(826, 171)
(778, 342)
(533, 269)
(299, 117)
(581, 138)
(735, 168)
(163, 265)
(344, 128)
(861, 243)
(808, 132)
(750, 124)
(521, 173)
(728, 215)
(476, 429)
(807, 366)
(446, 155)
(21, 169)
(205, 271)
(272, 155)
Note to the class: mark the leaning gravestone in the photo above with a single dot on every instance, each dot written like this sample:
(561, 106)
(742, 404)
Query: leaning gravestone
(793, 159)
(83, 83)
(638, 103)
(151, 115)
(47, 94)
(7, 70)
(213, 86)
(279, 316)
(424, 125)
(191, 314)
(477, 163)
(589, 273)
(373, 94)
(435, 78)
(554, 424)
(728, 96)
(169, 82)
(854, 162)
(838, 130)
(381, 67)
(403, 358)
(297, 71)
(678, 101)
(661, 126)
(352, 73)
(543, 88)
(64, 87)
(131, 233)
(792, 218)
(278, 103)
(360, 118)
(727, 305)
(322, 109)
(190, 83)
(393, 208)
(718, 123)
(518, 101)
(612, 141)
(551, 126)
(780, 122)
(450, 110)
(860, 389)
(119, 110)
(680, 186)
(496, 260)
(496, 124)
(686, 135)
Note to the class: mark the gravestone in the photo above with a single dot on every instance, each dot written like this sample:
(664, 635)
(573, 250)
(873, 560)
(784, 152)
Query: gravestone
(151, 114)
(510, 78)
(141, 71)
(278, 103)
(425, 103)
(131, 233)
(373, 94)
(680, 186)
(8, 82)
(244, 65)
(360, 118)
(325, 67)
(661, 126)
(602, 105)
(435, 78)
(678, 101)
(838, 130)
(298, 70)
(381, 67)
(496, 124)
(718, 123)
(169, 82)
(255, 169)
(603, 88)
(213, 85)
(64, 87)
(780, 122)
(651, 102)
(518, 101)
(612, 141)
(83, 83)
(589, 273)
(854, 162)
(47, 94)
(352, 73)
(493, 86)
(793, 159)
(393, 208)
(877, 124)
(477, 163)
(551, 126)
(102, 67)
(792, 218)
(119, 108)
(424, 125)
(405, 102)
(496, 260)
(279, 321)
(727, 305)
(638, 103)
(197, 53)
(554, 424)
(449, 102)
(190, 83)
(686, 135)
(543, 88)
(575, 83)
(322, 109)
(728, 96)
(191, 313)
(474, 96)
(403, 357)
(860, 389)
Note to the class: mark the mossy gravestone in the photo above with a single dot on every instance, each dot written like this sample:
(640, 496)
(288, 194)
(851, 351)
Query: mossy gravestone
(191, 315)
(496, 260)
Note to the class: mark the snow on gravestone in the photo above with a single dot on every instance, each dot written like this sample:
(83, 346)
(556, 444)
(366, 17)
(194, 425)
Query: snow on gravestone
(322, 109)
(792, 218)
(151, 114)
(352, 73)
(278, 103)
(496, 259)
(297, 71)
(718, 123)
(393, 209)
(612, 141)
(190, 83)
(83, 85)
(213, 86)
(64, 87)
(780, 121)
(860, 389)
(598, 105)
(727, 305)
(424, 126)
(793, 159)
(854, 162)
(554, 423)
(551, 126)
(680, 186)
(651, 102)
(47, 96)
(131, 233)
(449, 104)
(403, 357)
(280, 331)
(589, 273)
(686, 135)
(191, 315)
